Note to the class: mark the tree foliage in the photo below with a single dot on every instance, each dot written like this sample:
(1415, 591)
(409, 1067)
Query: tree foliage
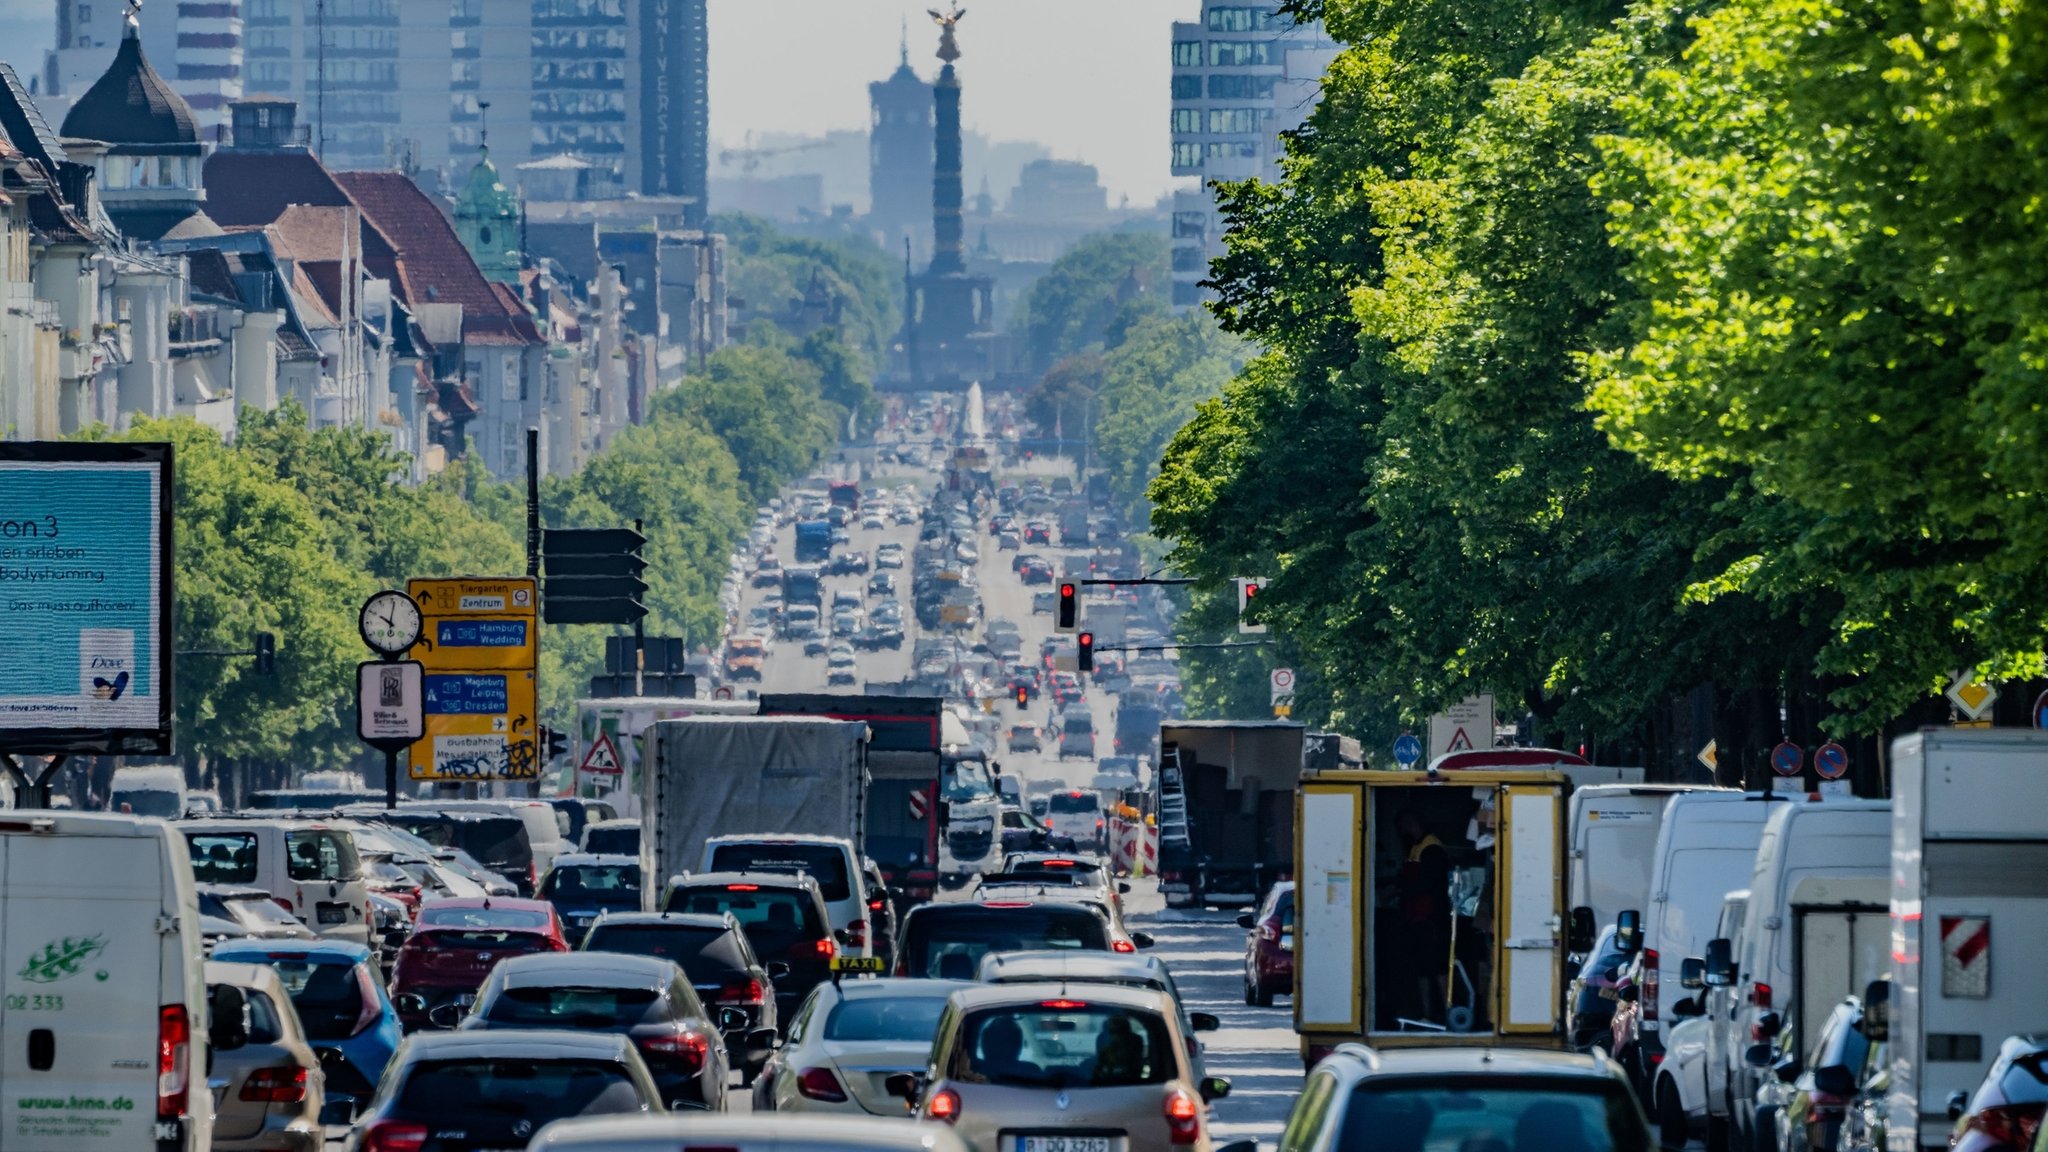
(1079, 298)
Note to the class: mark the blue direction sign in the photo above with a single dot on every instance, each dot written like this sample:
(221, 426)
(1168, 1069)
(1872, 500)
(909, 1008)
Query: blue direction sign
(1831, 761)
(1407, 750)
(1786, 758)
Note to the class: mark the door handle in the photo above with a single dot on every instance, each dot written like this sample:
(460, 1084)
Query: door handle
(42, 1049)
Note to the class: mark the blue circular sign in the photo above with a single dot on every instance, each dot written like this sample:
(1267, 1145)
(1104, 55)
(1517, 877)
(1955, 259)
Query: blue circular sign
(1831, 761)
(1786, 758)
(1407, 749)
(2041, 710)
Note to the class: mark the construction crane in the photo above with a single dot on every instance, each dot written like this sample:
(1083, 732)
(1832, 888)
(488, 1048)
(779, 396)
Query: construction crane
(749, 158)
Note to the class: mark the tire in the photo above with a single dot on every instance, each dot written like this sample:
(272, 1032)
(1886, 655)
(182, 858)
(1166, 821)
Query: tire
(1763, 1129)
(1251, 996)
(1717, 1133)
(1261, 996)
(1672, 1129)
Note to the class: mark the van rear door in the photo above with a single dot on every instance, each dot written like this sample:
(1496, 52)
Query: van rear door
(1531, 880)
(81, 990)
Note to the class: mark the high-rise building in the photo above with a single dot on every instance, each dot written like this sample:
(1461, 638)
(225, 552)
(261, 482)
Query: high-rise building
(197, 46)
(900, 158)
(1242, 74)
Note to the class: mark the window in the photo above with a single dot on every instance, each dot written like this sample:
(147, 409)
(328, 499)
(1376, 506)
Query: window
(895, 1018)
(1190, 225)
(1063, 1042)
(1240, 53)
(1233, 121)
(1234, 87)
(1586, 1116)
(1307, 1121)
(1235, 19)
(1189, 260)
(1187, 120)
(825, 863)
(1233, 149)
(1187, 155)
(1187, 53)
(222, 857)
(1187, 87)
(469, 1092)
(317, 854)
(85, 13)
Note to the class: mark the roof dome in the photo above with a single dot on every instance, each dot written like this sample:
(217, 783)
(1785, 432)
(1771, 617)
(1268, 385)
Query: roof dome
(131, 104)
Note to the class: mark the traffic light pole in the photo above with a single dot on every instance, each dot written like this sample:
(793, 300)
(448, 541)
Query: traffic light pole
(639, 645)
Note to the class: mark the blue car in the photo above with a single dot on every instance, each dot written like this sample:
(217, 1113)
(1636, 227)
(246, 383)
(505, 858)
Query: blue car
(339, 994)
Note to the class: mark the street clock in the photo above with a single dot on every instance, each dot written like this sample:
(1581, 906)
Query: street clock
(390, 623)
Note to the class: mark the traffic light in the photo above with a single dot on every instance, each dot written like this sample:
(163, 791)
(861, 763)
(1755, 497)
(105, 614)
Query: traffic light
(1084, 652)
(1068, 618)
(266, 653)
(593, 576)
(1023, 698)
(553, 744)
(1249, 589)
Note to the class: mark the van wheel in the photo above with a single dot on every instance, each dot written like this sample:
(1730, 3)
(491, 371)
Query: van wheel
(1717, 1133)
(1763, 1129)
(1672, 1130)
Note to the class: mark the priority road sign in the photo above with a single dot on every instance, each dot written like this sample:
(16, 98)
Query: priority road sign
(1786, 758)
(1407, 750)
(1971, 696)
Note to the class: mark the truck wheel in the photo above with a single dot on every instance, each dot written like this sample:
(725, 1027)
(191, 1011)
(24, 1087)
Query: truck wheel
(1763, 1129)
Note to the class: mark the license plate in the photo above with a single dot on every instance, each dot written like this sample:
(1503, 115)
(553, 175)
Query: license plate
(332, 913)
(1173, 886)
(1063, 1144)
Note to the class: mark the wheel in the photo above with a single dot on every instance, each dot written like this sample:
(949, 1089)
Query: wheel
(1671, 1123)
(1717, 1133)
(1763, 1129)
(1262, 997)
(1251, 995)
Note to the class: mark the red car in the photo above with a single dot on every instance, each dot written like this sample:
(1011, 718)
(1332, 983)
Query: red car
(1269, 947)
(455, 944)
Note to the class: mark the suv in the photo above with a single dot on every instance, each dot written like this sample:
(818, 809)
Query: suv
(948, 940)
(831, 861)
(782, 915)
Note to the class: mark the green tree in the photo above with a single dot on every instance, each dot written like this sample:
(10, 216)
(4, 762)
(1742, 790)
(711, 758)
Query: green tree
(766, 406)
(1075, 303)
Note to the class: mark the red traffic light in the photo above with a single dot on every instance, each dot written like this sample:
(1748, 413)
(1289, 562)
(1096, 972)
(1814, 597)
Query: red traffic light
(1084, 652)
(1069, 614)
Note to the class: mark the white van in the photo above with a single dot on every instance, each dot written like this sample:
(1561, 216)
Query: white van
(102, 987)
(310, 866)
(148, 790)
(1824, 856)
(830, 860)
(1614, 848)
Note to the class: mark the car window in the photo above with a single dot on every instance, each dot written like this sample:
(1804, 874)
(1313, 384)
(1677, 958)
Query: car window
(538, 1091)
(320, 854)
(500, 842)
(2026, 1078)
(264, 1013)
(1524, 1114)
(436, 916)
(772, 918)
(1065, 1043)
(949, 944)
(618, 841)
(691, 947)
(908, 1018)
(611, 885)
(478, 938)
(329, 998)
(222, 857)
(825, 863)
(589, 1008)
(1306, 1122)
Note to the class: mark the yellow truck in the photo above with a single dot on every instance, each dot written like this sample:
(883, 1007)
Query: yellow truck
(1430, 904)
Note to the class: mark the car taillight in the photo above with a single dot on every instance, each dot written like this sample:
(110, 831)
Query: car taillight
(826, 947)
(1760, 995)
(1652, 979)
(820, 1084)
(372, 1000)
(874, 905)
(173, 1061)
(532, 874)
(687, 1046)
(1122, 946)
(2013, 1125)
(944, 1105)
(394, 1136)
(285, 904)
(857, 933)
(285, 1085)
(742, 992)
(1183, 1117)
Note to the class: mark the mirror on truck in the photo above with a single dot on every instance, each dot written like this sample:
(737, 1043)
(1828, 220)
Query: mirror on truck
(1692, 972)
(1720, 958)
(1628, 932)
(1877, 1011)
(1579, 938)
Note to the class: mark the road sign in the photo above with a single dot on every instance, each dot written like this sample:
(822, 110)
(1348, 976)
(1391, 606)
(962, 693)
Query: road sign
(1786, 758)
(1282, 683)
(594, 575)
(1831, 761)
(602, 759)
(722, 692)
(390, 703)
(1407, 750)
(1710, 755)
(1463, 727)
(1972, 697)
(480, 651)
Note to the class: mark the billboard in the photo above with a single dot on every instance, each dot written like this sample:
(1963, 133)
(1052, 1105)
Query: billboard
(85, 598)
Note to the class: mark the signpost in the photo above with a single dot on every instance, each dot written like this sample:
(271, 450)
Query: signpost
(1831, 761)
(1407, 750)
(1972, 697)
(1464, 727)
(479, 647)
(390, 712)
(1282, 683)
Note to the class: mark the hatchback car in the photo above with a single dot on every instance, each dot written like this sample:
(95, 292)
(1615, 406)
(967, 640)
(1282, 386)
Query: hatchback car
(478, 1091)
(338, 994)
(647, 1000)
(846, 1042)
(947, 941)
(455, 946)
(1041, 1066)
(783, 917)
(265, 1079)
(721, 965)
(830, 860)
(582, 887)
(1269, 947)
(227, 911)
(1121, 970)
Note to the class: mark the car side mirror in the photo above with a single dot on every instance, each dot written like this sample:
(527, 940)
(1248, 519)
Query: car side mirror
(1628, 994)
(1767, 1026)
(1123, 888)
(1759, 1055)
(445, 1015)
(1204, 1021)
(409, 1003)
(1245, 920)
(777, 970)
(1579, 936)
(732, 1019)
(1720, 963)
(1692, 972)
(1688, 1006)
(1628, 932)
(1958, 1103)
(1877, 1011)
(763, 1038)
(902, 1085)
(1214, 1088)
(1239, 1146)
(1787, 1068)
(842, 936)
(1142, 939)
(227, 1012)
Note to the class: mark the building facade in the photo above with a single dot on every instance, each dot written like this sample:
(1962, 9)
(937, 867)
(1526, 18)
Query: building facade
(900, 160)
(1243, 73)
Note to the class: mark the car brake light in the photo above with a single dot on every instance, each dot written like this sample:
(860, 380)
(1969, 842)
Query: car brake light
(2012, 1125)
(741, 992)
(284, 1085)
(1760, 995)
(173, 1061)
(1056, 863)
(874, 905)
(1122, 946)
(1063, 1005)
(692, 1049)
(1652, 980)
(742, 887)
(283, 903)
(857, 933)
(820, 1084)
(1005, 904)
(826, 947)
(394, 1136)
(1183, 1117)
(944, 1105)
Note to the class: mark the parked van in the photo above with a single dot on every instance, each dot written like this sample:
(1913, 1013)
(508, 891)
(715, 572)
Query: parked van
(1814, 914)
(1614, 848)
(830, 860)
(311, 868)
(149, 790)
(1706, 848)
(103, 1015)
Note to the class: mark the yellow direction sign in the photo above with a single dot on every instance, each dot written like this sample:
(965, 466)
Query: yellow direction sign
(479, 644)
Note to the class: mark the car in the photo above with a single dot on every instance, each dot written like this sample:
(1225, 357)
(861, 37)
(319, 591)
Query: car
(1035, 572)
(644, 998)
(832, 861)
(1038, 532)
(889, 556)
(1590, 1000)
(745, 1134)
(2006, 1109)
(1504, 1099)
(1024, 738)
(1116, 968)
(338, 994)
(881, 584)
(227, 911)
(841, 653)
(484, 844)
(715, 955)
(847, 1040)
(583, 886)
(1043, 603)
(948, 940)
(1025, 832)
(873, 521)
(1269, 947)
(816, 643)
(840, 536)
(882, 914)
(613, 838)
(480, 1090)
(310, 866)
(783, 916)
(455, 945)
(1098, 899)
(1042, 1065)
(265, 1078)
(1076, 814)
(768, 574)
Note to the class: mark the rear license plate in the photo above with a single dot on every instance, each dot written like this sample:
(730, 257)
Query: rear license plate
(332, 913)
(1063, 1144)
(1173, 886)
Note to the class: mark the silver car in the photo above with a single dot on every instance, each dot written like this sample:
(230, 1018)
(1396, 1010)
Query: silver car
(847, 1040)
(265, 1080)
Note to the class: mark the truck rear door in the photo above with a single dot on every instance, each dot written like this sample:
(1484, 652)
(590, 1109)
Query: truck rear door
(1328, 913)
(1838, 951)
(1530, 833)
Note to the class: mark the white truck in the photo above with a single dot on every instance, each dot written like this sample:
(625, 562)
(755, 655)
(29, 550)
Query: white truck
(1613, 848)
(744, 776)
(1969, 916)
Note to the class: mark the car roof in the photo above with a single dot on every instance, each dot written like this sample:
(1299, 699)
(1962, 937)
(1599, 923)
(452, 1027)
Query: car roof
(322, 950)
(885, 987)
(1478, 1061)
(1008, 903)
(515, 903)
(1077, 859)
(1053, 964)
(518, 1044)
(779, 1130)
(244, 975)
(1004, 995)
(233, 892)
(588, 970)
(672, 919)
(760, 879)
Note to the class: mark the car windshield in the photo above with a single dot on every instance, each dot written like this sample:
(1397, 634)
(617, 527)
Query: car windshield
(948, 944)
(222, 857)
(691, 947)
(471, 916)
(968, 780)
(623, 840)
(1496, 1113)
(773, 918)
(508, 1090)
(1065, 1043)
(825, 863)
(159, 802)
(330, 998)
(909, 1019)
(571, 1007)
(609, 885)
(1075, 802)
(320, 854)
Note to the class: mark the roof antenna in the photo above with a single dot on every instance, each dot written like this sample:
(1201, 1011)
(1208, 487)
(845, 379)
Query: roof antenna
(906, 40)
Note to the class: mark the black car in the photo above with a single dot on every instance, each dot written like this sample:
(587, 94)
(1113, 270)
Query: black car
(847, 564)
(647, 1000)
(476, 1091)
(947, 941)
(499, 842)
(783, 917)
(721, 965)
(583, 887)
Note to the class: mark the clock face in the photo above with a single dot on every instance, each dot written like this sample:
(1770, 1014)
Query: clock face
(391, 622)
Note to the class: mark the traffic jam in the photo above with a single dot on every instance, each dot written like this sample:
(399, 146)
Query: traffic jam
(929, 853)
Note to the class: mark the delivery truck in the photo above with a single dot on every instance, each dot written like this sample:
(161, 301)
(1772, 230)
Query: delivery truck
(1969, 917)
(746, 775)
(606, 757)
(1226, 809)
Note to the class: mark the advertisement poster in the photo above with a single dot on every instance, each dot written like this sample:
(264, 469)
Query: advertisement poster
(85, 594)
